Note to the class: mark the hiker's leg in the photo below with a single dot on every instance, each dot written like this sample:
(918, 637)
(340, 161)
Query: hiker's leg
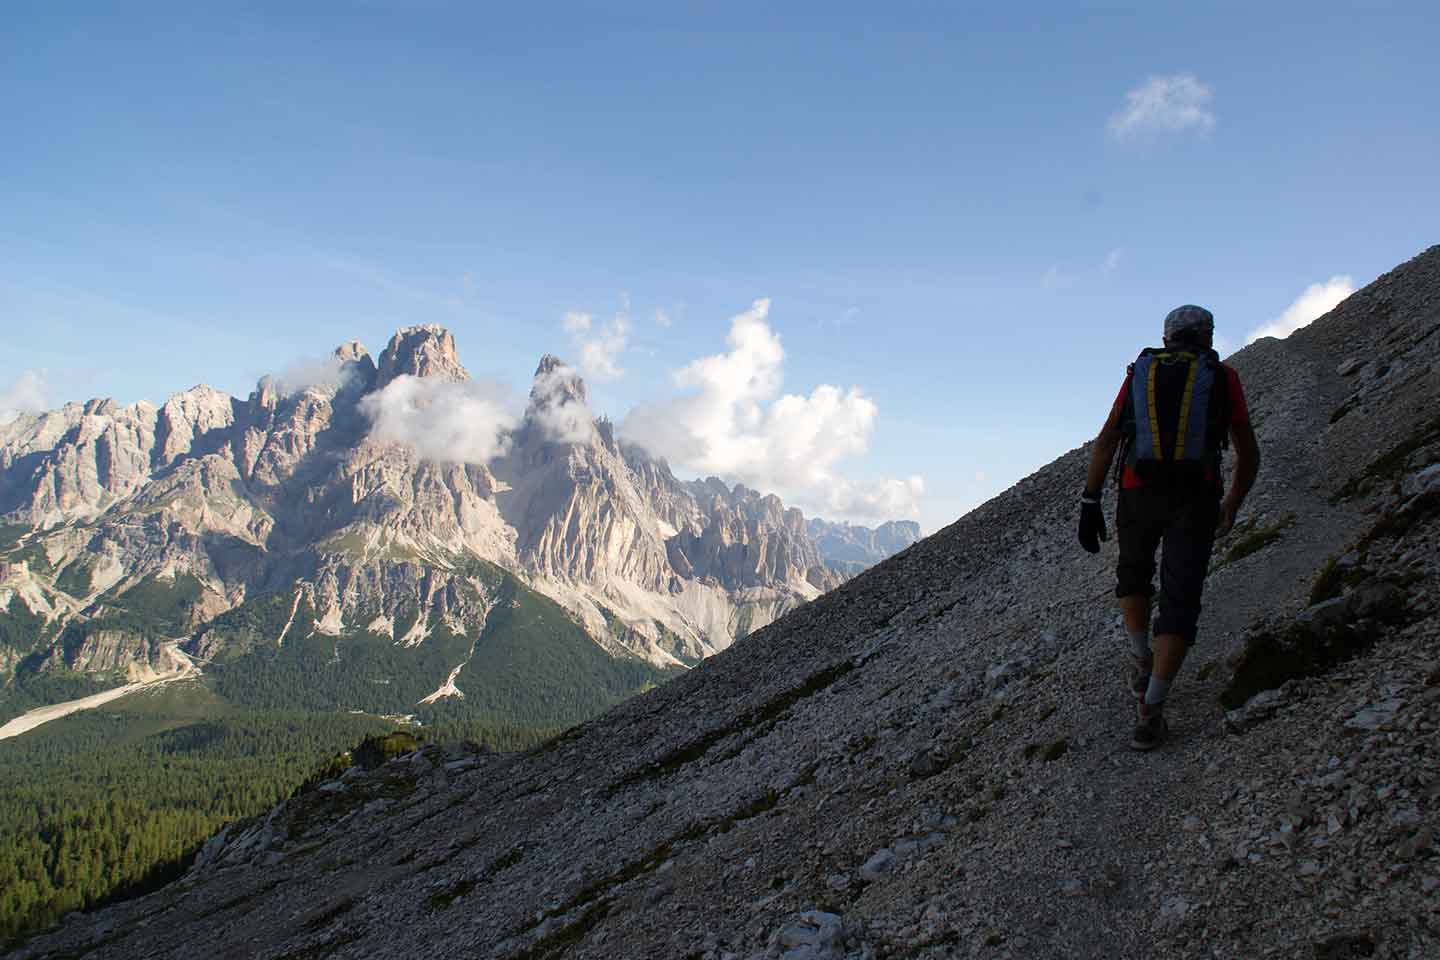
(1138, 529)
(1184, 561)
(1170, 650)
(1138, 534)
(1135, 609)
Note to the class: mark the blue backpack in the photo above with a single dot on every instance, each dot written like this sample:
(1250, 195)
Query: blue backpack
(1174, 417)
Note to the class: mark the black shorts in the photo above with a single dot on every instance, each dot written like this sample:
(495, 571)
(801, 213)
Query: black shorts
(1184, 522)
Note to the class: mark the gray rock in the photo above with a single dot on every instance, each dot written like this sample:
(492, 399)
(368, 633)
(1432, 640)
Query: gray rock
(880, 863)
(813, 935)
(1423, 481)
(924, 764)
(1376, 716)
(1326, 615)
(1381, 601)
(1002, 673)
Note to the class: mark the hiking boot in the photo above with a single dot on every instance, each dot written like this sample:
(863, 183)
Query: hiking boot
(1140, 677)
(1151, 728)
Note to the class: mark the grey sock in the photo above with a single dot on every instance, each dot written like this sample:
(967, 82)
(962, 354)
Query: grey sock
(1140, 643)
(1157, 691)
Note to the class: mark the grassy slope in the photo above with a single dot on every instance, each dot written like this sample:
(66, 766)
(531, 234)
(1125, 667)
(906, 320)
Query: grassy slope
(532, 666)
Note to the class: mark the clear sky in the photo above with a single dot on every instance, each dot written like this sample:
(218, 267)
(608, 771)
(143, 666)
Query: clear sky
(965, 219)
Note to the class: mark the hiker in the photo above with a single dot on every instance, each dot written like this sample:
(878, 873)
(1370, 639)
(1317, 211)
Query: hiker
(1176, 410)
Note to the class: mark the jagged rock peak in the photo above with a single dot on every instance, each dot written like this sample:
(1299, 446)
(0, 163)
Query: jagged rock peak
(358, 371)
(101, 407)
(352, 351)
(556, 383)
(427, 350)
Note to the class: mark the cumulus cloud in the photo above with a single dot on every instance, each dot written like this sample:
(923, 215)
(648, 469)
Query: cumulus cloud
(324, 372)
(729, 419)
(1165, 104)
(27, 394)
(1317, 300)
(600, 345)
(558, 407)
(441, 420)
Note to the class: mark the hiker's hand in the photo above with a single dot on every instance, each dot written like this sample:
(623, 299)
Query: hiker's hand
(1092, 523)
(1227, 518)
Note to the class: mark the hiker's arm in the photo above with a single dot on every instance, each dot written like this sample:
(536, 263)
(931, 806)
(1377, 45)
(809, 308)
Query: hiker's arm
(1102, 454)
(1247, 465)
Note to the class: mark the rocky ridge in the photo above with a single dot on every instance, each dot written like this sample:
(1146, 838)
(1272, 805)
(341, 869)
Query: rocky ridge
(932, 760)
(221, 503)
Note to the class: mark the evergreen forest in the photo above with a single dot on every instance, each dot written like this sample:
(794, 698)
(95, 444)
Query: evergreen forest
(114, 801)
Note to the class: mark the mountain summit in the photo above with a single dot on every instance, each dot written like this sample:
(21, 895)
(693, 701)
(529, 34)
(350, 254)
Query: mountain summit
(931, 760)
(422, 351)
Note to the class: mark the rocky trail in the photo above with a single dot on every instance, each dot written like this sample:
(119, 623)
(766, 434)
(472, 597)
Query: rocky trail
(932, 760)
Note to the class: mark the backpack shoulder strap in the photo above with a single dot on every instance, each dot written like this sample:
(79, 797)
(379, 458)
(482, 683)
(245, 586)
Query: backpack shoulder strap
(1127, 424)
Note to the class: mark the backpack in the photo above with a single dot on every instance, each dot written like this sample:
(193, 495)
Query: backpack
(1175, 417)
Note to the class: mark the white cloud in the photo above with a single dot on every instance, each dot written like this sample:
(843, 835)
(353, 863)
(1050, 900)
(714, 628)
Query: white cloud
(663, 318)
(1165, 104)
(28, 394)
(600, 347)
(559, 409)
(1317, 300)
(730, 420)
(441, 420)
(325, 372)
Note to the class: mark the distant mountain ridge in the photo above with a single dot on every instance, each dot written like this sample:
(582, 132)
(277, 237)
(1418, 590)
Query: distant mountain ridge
(215, 528)
(851, 549)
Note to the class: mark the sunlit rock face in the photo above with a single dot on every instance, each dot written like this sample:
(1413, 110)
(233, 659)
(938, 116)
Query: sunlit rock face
(293, 488)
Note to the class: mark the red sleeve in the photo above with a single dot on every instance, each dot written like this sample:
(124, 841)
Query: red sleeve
(1239, 412)
(1120, 397)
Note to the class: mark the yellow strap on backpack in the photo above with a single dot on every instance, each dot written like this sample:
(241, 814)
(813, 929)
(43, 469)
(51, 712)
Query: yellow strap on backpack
(1185, 411)
(1154, 414)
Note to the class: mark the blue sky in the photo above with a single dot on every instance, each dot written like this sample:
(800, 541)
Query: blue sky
(953, 221)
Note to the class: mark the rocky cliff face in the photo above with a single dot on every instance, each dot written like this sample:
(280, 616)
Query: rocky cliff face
(931, 760)
(423, 351)
(293, 491)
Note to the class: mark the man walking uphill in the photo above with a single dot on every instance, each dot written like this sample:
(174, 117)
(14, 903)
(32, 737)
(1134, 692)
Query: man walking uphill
(1176, 410)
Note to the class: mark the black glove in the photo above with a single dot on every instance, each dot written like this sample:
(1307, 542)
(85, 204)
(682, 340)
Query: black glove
(1092, 522)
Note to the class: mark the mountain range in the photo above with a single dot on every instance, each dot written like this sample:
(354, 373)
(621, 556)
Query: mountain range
(378, 534)
(932, 759)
